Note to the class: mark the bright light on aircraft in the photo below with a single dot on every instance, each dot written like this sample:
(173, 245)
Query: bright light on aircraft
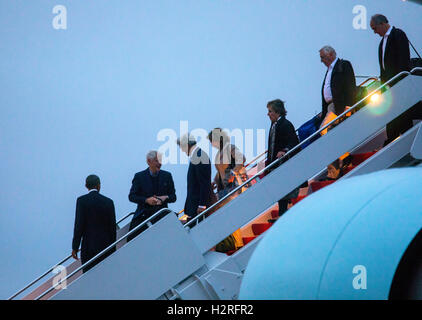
(375, 98)
(380, 103)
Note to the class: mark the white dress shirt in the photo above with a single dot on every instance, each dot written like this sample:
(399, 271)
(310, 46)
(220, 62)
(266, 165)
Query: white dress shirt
(328, 96)
(384, 43)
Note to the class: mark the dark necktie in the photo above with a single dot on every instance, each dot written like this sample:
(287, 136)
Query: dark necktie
(272, 135)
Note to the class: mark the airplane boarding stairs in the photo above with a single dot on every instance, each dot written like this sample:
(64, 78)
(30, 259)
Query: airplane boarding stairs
(174, 261)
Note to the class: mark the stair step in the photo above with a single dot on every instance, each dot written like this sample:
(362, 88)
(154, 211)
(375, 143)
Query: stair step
(316, 185)
(246, 240)
(259, 228)
(348, 169)
(358, 158)
(229, 253)
(297, 199)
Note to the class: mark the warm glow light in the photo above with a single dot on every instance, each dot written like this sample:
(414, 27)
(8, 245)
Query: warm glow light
(378, 103)
(375, 98)
(183, 218)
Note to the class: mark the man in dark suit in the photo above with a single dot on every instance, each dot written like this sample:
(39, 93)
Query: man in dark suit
(199, 190)
(394, 57)
(95, 224)
(152, 189)
(281, 139)
(393, 50)
(339, 85)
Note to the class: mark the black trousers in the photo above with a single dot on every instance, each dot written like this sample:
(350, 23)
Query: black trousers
(398, 126)
(416, 111)
(141, 218)
(282, 206)
(403, 122)
(86, 257)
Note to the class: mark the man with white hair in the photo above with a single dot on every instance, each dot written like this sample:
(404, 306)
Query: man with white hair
(199, 190)
(339, 85)
(152, 189)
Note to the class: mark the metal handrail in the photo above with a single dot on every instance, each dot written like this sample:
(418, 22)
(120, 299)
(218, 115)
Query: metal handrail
(368, 78)
(39, 278)
(52, 268)
(256, 158)
(125, 217)
(196, 218)
(416, 69)
(247, 181)
(104, 251)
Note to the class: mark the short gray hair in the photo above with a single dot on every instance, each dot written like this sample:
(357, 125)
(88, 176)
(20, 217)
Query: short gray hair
(379, 19)
(328, 50)
(151, 155)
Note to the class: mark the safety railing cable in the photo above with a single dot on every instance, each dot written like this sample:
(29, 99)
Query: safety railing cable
(367, 79)
(110, 247)
(296, 148)
(52, 268)
(196, 219)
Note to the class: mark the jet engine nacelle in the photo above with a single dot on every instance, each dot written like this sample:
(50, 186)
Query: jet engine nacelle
(346, 241)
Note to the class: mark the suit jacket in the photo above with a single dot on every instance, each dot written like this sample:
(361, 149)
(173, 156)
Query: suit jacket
(198, 183)
(95, 224)
(142, 189)
(285, 138)
(343, 87)
(397, 54)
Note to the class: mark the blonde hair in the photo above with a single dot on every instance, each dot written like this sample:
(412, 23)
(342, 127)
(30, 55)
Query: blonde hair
(218, 134)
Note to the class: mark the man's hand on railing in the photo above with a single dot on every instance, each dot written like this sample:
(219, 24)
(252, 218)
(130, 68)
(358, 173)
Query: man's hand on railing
(280, 154)
(75, 254)
(201, 209)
